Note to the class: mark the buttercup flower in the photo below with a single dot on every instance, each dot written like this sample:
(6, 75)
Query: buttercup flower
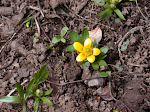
(87, 51)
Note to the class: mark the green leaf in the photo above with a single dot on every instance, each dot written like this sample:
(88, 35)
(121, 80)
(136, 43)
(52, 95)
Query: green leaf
(118, 12)
(35, 75)
(56, 39)
(101, 56)
(106, 15)
(107, 1)
(64, 31)
(85, 34)
(99, 2)
(117, 20)
(20, 90)
(46, 100)
(104, 74)
(29, 88)
(132, 0)
(10, 99)
(70, 48)
(35, 40)
(118, 65)
(45, 75)
(132, 31)
(102, 62)
(48, 92)
(42, 70)
(95, 66)
(41, 73)
(36, 103)
(105, 11)
(104, 49)
(83, 64)
(28, 20)
(74, 37)
(95, 43)
(125, 45)
(63, 40)
(86, 65)
(109, 73)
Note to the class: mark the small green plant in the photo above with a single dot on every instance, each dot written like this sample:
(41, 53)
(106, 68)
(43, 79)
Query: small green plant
(89, 53)
(32, 90)
(36, 38)
(28, 22)
(125, 45)
(110, 6)
(58, 38)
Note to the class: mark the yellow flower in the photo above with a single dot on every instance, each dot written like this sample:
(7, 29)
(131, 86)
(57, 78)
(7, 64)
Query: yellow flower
(87, 51)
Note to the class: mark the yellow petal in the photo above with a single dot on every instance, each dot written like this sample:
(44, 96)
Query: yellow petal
(96, 51)
(91, 58)
(80, 57)
(88, 43)
(78, 46)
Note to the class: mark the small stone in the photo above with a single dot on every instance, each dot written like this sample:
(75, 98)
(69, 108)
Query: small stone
(96, 82)
(12, 80)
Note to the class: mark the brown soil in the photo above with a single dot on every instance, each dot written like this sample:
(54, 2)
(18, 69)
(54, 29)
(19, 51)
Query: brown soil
(20, 58)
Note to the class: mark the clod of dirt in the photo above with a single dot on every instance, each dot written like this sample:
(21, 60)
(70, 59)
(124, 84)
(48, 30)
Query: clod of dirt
(86, 74)
(17, 47)
(104, 93)
(96, 34)
(41, 58)
(17, 18)
(79, 6)
(8, 27)
(40, 48)
(22, 72)
(55, 3)
(69, 71)
(133, 98)
(6, 11)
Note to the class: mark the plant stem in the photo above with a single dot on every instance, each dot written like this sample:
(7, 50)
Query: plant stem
(52, 46)
(24, 107)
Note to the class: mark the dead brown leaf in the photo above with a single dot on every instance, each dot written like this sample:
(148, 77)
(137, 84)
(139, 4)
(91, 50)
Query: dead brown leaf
(96, 34)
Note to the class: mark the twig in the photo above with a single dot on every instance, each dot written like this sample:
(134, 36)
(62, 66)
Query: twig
(71, 81)
(40, 8)
(7, 42)
(16, 88)
(138, 65)
(38, 27)
(45, 34)
(141, 11)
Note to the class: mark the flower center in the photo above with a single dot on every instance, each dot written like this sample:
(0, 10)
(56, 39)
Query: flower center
(87, 51)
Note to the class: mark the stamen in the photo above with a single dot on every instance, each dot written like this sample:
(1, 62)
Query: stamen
(88, 50)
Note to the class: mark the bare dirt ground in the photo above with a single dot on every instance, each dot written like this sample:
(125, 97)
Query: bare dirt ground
(20, 58)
